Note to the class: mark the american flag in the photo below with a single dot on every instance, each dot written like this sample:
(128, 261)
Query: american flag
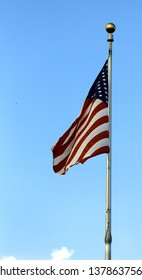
(88, 136)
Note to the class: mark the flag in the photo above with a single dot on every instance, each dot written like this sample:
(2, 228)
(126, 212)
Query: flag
(88, 136)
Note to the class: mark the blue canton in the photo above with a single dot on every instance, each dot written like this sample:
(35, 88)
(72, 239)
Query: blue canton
(99, 89)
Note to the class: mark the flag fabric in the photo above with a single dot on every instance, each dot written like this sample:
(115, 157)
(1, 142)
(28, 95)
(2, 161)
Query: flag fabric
(88, 136)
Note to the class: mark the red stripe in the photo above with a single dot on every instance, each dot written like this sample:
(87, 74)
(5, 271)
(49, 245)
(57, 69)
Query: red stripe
(102, 150)
(60, 165)
(60, 147)
(95, 125)
(93, 141)
(92, 112)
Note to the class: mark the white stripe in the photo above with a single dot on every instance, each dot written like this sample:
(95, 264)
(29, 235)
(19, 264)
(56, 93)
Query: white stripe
(96, 103)
(61, 171)
(89, 110)
(65, 153)
(86, 111)
(98, 145)
(71, 132)
(95, 132)
(102, 113)
(73, 129)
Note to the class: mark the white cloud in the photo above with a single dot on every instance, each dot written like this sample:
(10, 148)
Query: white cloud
(62, 254)
(57, 254)
(9, 258)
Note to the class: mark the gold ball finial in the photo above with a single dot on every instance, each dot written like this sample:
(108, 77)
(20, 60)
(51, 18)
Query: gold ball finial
(110, 27)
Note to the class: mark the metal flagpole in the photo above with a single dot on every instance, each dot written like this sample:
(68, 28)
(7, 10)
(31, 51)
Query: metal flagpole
(110, 28)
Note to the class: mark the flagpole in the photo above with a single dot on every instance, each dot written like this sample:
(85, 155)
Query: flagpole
(110, 28)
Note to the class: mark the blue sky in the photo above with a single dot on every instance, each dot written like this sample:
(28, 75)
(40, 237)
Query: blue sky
(50, 54)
